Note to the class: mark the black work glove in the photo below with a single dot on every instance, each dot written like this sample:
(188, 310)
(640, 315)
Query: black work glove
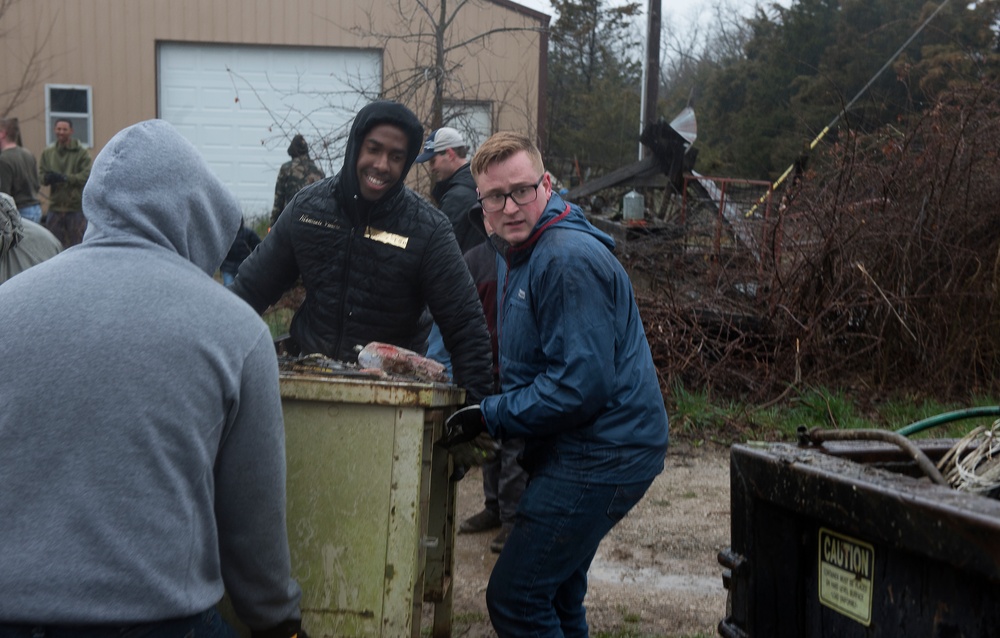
(463, 426)
(51, 178)
(286, 629)
(467, 440)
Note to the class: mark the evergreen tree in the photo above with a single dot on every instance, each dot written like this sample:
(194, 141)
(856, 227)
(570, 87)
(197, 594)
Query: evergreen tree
(800, 65)
(594, 87)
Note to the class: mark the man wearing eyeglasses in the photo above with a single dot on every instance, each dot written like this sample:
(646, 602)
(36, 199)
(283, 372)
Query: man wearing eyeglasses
(577, 383)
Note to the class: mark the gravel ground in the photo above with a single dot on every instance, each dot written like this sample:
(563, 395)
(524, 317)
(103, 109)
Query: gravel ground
(656, 573)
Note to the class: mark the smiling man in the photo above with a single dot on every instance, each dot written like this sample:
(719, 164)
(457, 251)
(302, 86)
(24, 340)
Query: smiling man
(578, 384)
(373, 257)
(65, 168)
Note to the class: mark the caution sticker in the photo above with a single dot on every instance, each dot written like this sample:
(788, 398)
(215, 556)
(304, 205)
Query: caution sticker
(845, 575)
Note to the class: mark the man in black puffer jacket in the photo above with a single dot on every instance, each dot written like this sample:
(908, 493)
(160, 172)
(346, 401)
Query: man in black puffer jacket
(373, 257)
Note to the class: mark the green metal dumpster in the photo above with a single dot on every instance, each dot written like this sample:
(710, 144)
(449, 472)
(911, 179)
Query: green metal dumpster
(370, 508)
(834, 539)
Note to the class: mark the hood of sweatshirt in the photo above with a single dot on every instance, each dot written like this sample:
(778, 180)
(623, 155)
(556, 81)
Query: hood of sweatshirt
(150, 185)
(370, 116)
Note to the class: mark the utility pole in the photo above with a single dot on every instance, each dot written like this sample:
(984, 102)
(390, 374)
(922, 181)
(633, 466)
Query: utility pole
(650, 69)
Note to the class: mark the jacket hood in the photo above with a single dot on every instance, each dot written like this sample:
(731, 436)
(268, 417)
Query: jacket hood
(149, 184)
(380, 112)
(557, 214)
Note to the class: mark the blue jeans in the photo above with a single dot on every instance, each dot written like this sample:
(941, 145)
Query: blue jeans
(32, 213)
(504, 480)
(436, 349)
(208, 624)
(539, 581)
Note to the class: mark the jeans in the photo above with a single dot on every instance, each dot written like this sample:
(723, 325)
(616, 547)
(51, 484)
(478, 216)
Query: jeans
(504, 480)
(208, 624)
(539, 581)
(436, 349)
(32, 213)
(227, 277)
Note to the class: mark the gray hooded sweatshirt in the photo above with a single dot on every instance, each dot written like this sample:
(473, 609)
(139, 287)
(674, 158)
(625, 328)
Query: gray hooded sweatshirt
(23, 243)
(142, 457)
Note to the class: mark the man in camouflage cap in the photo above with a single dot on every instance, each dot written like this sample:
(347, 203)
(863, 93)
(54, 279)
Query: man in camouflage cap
(294, 175)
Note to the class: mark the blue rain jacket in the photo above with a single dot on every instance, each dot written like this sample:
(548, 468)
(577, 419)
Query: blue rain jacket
(578, 380)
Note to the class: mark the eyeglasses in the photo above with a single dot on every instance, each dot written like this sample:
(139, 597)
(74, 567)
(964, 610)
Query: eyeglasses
(521, 195)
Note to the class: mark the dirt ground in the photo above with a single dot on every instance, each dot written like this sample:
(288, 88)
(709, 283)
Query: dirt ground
(656, 573)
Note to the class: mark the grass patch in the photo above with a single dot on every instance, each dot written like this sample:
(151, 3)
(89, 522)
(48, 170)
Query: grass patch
(695, 417)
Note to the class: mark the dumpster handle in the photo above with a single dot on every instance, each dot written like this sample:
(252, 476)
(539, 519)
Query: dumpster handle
(948, 417)
(818, 435)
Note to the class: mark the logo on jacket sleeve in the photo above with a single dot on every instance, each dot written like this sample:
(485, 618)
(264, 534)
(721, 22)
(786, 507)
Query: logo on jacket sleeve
(521, 295)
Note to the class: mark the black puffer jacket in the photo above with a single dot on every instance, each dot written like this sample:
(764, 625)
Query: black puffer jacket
(371, 270)
(455, 196)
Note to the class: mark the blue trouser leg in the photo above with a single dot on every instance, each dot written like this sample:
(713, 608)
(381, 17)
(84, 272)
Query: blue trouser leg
(436, 349)
(539, 581)
(504, 480)
(32, 213)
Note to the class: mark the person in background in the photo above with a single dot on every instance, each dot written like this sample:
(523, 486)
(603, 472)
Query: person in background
(65, 167)
(454, 190)
(18, 171)
(294, 175)
(142, 447)
(246, 240)
(373, 256)
(454, 193)
(503, 477)
(577, 383)
(23, 243)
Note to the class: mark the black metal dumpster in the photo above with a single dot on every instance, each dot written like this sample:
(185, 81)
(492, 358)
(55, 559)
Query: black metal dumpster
(852, 539)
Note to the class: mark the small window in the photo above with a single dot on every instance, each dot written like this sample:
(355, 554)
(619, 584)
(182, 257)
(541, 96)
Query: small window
(471, 119)
(73, 103)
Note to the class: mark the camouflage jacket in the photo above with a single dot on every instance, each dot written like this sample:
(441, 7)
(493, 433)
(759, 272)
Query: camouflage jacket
(293, 177)
(73, 161)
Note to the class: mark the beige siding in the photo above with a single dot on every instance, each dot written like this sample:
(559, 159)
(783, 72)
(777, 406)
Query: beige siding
(110, 45)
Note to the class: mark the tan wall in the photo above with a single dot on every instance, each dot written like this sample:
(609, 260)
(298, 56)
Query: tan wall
(110, 45)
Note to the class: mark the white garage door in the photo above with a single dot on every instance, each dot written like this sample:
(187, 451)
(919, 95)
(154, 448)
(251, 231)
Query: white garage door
(240, 106)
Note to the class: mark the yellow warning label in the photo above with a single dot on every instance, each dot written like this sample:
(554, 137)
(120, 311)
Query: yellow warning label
(845, 575)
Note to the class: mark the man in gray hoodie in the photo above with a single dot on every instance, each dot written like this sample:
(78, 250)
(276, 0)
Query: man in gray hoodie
(141, 442)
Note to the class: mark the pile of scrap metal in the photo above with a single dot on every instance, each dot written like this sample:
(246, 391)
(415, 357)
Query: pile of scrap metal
(670, 156)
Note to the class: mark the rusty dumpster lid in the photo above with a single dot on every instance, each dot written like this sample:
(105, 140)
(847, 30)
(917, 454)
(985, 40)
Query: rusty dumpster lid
(335, 381)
